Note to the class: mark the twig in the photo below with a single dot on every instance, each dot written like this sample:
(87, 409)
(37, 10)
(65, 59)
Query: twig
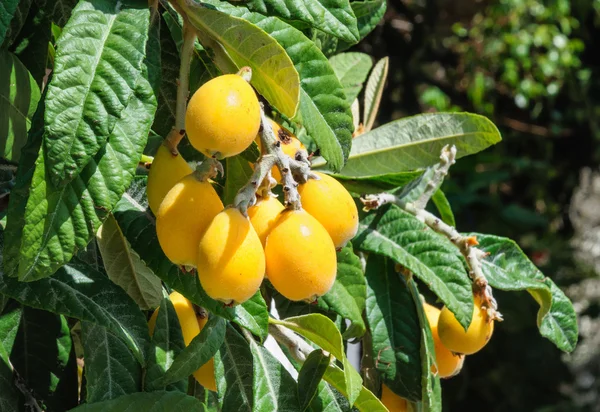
(465, 244)
(298, 348)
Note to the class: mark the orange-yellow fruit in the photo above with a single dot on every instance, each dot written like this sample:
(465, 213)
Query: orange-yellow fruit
(263, 216)
(231, 260)
(301, 259)
(206, 374)
(391, 401)
(447, 364)
(166, 170)
(289, 144)
(183, 216)
(453, 336)
(223, 116)
(331, 204)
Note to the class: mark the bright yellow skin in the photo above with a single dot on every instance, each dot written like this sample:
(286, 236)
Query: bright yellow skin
(289, 144)
(263, 216)
(223, 116)
(301, 258)
(391, 401)
(453, 336)
(183, 216)
(447, 364)
(166, 170)
(191, 325)
(331, 204)
(231, 260)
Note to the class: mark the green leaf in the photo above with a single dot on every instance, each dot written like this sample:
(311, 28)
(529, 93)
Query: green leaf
(238, 174)
(334, 17)
(374, 91)
(168, 343)
(323, 109)
(352, 70)
(79, 291)
(508, 268)
(310, 376)
(368, 15)
(111, 370)
(58, 11)
(158, 401)
(395, 329)
(234, 373)
(98, 61)
(365, 401)
(322, 331)
(139, 229)
(416, 142)
(443, 206)
(273, 73)
(400, 236)
(7, 12)
(11, 398)
(273, 388)
(376, 184)
(16, 23)
(9, 324)
(44, 357)
(58, 222)
(200, 350)
(125, 267)
(18, 101)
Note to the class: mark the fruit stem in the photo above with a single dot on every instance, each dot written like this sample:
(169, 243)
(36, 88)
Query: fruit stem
(183, 86)
(246, 73)
(209, 168)
(465, 244)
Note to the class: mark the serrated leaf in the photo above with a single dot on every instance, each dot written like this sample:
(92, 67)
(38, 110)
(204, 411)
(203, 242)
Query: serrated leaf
(18, 101)
(167, 343)
(234, 373)
(368, 14)
(11, 396)
(352, 70)
(111, 370)
(166, 97)
(401, 237)
(395, 329)
(416, 142)
(79, 291)
(508, 268)
(98, 61)
(125, 267)
(374, 91)
(334, 17)
(200, 350)
(58, 222)
(273, 389)
(44, 357)
(238, 174)
(138, 226)
(322, 331)
(7, 12)
(158, 401)
(443, 206)
(323, 109)
(310, 376)
(273, 73)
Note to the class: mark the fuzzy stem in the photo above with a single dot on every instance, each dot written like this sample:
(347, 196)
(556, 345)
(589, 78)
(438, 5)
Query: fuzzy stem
(209, 168)
(298, 348)
(465, 244)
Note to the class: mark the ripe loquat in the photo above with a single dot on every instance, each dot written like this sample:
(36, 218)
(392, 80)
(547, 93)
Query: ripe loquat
(166, 170)
(263, 216)
(447, 364)
(391, 401)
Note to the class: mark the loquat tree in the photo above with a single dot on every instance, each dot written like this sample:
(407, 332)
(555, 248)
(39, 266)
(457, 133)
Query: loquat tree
(189, 178)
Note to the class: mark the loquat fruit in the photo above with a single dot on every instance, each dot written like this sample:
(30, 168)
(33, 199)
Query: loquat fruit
(263, 216)
(205, 375)
(447, 364)
(166, 170)
(391, 401)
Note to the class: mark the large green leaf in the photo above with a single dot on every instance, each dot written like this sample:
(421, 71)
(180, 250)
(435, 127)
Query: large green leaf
(7, 12)
(158, 401)
(376, 184)
(11, 396)
(400, 236)
(508, 268)
(234, 373)
(238, 174)
(44, 357)
(323, 109)
(79, 291)
(273, 73)
(310, 376)
(168, 343)
(352, 70)
(395, 329)
(334, 17)
(111, 370)
(19, 97)
(125, 267)
(55, 223)
(138, 226)
(98, 62)
(416, 142)
(200, 350)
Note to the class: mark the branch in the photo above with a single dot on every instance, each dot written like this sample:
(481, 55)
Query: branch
(298, 348)
(465, 244)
